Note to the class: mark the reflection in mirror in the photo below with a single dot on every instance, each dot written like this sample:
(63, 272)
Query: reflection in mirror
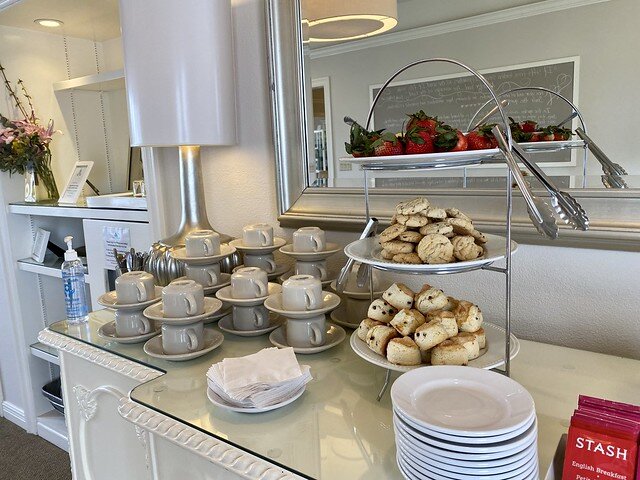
(515, 43)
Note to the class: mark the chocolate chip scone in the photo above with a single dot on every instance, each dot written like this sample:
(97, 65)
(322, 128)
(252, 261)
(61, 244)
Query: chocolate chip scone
(435, 249)
(381, 311)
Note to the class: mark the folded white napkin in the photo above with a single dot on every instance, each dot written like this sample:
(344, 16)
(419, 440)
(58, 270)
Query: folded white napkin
(265, 378)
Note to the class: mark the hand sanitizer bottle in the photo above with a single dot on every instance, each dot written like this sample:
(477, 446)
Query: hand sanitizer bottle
(75, 297)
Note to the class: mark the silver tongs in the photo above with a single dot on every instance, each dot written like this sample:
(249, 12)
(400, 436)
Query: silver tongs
(567, 207)
(539, 212)
(612, 171)
(369, 231)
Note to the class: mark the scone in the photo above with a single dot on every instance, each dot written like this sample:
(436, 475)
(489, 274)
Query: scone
(414, 221)
(465, 248)
(449, 353)
(470, 343)
(446, 319)
(425, 355)
(455, 213)
(398, 295)
(435, 249)
(439, 228)
(403, 351)
(411, 207)
(468, 316)
(410, 236)
(407, 321)
(378, 337)
(429, 335)
(381, 311)
(430, 298)
(461, 226)
(391, 232)
(364, 327)
(451, 305)
(436, 213)
(482, 339)
(397, 246)
(407, 258)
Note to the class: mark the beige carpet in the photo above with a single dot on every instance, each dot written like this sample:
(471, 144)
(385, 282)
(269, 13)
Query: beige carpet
(28, 457)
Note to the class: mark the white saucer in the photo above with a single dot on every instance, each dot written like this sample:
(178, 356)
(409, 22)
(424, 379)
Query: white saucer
(338, 316)
(219, 402)
(211, 306)
(225, 310)
(286, 275)
(225, 279)
(181, 254)
(277, 243)
(335, 335)
(212, 340)
(330, 249)
(274, 303)
(108, 332)
(280, 269)
(356, 295)
(224, 294)
(226, 325)
(110, 300)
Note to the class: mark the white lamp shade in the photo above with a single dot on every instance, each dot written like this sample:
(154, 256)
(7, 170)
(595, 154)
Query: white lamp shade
(179, 72)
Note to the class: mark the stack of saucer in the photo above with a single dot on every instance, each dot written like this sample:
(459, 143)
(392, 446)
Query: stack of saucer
(182, 313)
(464, 423)
(310, 251)
(304, 305)
(263, 381)
(134, 292)
(257, 246)
(248, 290)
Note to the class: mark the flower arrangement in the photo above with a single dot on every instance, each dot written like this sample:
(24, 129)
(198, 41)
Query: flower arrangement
(24, 143)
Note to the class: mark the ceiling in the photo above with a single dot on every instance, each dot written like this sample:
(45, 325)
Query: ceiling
(90, 19)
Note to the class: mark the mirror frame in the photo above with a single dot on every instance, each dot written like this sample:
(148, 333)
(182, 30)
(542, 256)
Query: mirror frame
(614, 214)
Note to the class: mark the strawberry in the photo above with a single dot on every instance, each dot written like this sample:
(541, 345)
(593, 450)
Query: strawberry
(519, 135)
(482, 138)
(418, 140)
(555, 133)
(422, 120)
(529, 126)
(360, 140)
(387, 144)
(448, 139)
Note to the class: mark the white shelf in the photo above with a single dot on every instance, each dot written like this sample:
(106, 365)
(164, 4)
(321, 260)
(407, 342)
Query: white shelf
(52, 427)
(45, 352)
(50, 267)
(100, 82)
(55, 210)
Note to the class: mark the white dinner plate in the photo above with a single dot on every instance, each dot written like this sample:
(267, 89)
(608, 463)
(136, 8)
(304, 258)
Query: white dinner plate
(491, 356)
(219, 402)
(367, 250)
(462, 401)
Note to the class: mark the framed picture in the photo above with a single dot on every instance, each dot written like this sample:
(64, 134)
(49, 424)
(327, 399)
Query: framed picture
(40, 242)
(76, 182)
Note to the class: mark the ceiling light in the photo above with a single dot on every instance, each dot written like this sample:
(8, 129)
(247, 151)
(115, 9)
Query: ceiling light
(340, 20)
(48, 22)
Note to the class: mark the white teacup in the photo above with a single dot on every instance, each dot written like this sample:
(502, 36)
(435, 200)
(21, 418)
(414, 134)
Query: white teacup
(316, 269)
(249, 282)
(179, 339)
(135, 287)
(205, 275)
(202, 243)
(250, 318)
(302, 292)
(310, 332)
(257, 235)
(309, 239)
(131, 324)
(265, 262)
(182, 298)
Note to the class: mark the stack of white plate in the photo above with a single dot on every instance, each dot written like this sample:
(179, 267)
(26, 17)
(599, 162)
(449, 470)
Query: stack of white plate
(464, 423)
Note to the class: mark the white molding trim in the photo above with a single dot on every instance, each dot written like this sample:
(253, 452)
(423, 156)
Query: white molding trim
(506, 15)
(14, 414)
(226, 456)
(105, 359)
(7, 3)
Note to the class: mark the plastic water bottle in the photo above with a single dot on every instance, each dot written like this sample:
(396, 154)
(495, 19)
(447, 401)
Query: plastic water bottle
(75, 297)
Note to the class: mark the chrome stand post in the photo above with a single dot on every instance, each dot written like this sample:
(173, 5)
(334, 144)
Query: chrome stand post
(387, 377)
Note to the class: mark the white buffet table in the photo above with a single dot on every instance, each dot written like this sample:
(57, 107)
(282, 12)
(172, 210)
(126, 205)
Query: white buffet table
(154, 420)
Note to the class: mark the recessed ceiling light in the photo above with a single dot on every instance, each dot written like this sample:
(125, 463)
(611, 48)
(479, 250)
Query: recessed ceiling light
(48, 22)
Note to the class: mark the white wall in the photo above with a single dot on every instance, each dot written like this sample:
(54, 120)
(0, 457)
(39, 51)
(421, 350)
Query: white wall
(581, 298)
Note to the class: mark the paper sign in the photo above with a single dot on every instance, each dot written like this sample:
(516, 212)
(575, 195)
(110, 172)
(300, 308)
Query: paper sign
(74, 187)
(118, 238)
(40, 245)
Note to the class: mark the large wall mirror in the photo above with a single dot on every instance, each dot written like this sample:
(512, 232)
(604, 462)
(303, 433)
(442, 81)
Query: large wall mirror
(320, 75)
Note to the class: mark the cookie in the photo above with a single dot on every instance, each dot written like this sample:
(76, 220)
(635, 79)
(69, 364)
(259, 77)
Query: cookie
(455, 213)
(407, 258)
(407, 321)
(364, 327)
(411, 207)
(439, 228)
(378, 337)
(436, 213)
(386, 254)
(449, 353)
(399, 296)
(468, 316)
(461, 226)
(435, 249)
(410, 236)
(413, 221)
(428, 335)
(381, 311)
(479, 237)
(403, 351)
(397, 246)
(470, 343)
(465, 248)
(391, 232)
(429, 299)
(446, 319)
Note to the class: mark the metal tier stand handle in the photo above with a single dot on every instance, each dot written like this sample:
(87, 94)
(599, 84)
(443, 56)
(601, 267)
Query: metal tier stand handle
(509, 197)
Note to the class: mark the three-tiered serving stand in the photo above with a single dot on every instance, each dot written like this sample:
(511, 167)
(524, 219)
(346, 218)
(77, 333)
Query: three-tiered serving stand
(539, 211)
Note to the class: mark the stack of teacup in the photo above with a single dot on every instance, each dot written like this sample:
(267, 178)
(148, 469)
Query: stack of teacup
(257, 246)
(182, 312)
(310, 251)
(304, 305)
(134, 292)
(249, 288)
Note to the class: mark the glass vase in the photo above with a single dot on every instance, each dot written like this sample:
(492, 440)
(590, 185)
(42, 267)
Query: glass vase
(30, 187)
